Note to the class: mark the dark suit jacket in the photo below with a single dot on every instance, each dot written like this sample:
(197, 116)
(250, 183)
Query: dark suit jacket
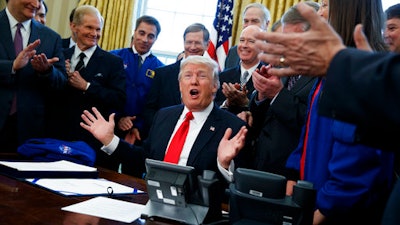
(65, 42)
(232, 75)
(365, 93)
(106, 75)
(232, 59)
(164, 91)
(203, 155)
(33, 90)
(277, 126)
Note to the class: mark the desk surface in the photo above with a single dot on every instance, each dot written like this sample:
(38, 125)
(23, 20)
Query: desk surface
(22, 203)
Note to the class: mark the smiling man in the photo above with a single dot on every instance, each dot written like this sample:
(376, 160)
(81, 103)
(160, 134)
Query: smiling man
(139, 65)
(31, 64)
(392, 31)
(231, 96)
(95, 78)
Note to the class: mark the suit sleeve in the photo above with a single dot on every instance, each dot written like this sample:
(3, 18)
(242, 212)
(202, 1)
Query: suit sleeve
(111, 93)
(57, 74)
(364, 88)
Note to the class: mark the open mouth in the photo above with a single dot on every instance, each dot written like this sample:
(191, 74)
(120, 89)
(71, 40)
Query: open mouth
(194, 92)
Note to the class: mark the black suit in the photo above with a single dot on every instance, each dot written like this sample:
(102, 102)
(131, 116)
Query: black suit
(33, 90)
(277, 126)
(363, 88)
(106, 75)
(66, 42)
(164, 91)
(203, 155)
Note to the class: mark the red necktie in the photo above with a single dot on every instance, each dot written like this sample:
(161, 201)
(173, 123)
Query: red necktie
(177, 142)
(18, 46)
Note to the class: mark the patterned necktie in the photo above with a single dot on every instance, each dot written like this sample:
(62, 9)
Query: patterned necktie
(292, 81)
(81, 63)
(18, 46)
(140, 61)
(243, 78)
(177, 142)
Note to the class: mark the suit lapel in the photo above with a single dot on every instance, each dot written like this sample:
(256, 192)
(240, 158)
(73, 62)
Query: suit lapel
(167, 126)
(300, 83)
(95, 60)
(208, 130)
(5, 37)
(34, 32)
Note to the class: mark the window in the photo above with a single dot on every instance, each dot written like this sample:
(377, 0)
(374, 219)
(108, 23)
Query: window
(387, 3)
(174, 16)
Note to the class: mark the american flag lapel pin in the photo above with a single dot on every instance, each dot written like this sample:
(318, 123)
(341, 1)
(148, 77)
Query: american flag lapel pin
(212, 128)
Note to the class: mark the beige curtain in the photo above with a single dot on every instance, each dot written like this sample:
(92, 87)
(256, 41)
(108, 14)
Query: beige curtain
(118, 15)
(2, 5)
(276, 8)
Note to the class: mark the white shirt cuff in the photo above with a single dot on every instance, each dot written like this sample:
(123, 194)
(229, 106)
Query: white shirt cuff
(227, 174)
(87, 86)
(110, 148)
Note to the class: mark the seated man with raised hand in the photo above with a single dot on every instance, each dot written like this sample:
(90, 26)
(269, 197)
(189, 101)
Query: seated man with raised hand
(207, 146)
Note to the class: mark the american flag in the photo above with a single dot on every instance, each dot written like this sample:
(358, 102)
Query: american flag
(221, 32)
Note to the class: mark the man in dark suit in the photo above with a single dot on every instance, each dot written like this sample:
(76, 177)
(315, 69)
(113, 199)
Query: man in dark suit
(278, 108)
(165, 88)
(207, 146)
(96, 81)
(360, 87)
(237, 85)
(254, 14)
(26, 78)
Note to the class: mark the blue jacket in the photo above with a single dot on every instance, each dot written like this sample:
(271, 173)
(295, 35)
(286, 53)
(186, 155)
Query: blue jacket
(138, 83)
(350, 178)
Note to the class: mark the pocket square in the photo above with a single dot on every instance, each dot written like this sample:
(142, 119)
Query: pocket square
(98, 75)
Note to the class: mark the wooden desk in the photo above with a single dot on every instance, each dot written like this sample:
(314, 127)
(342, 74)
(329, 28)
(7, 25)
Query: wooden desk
(23, 203)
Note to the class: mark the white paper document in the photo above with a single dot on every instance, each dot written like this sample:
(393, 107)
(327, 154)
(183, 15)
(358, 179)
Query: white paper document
(108, 208)
(61, 165)
(81, 186)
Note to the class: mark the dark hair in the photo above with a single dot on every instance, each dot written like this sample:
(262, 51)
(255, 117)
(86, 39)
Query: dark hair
(344, 15)
(393, 12)
(196, 27)
(149, 20)
(71, 15)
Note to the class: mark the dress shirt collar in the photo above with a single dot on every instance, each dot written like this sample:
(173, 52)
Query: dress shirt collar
(250, 70)
(13, 22)
(201, 116)
(144, 56)
(71, 42)
(26, 30)
(88, 52)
